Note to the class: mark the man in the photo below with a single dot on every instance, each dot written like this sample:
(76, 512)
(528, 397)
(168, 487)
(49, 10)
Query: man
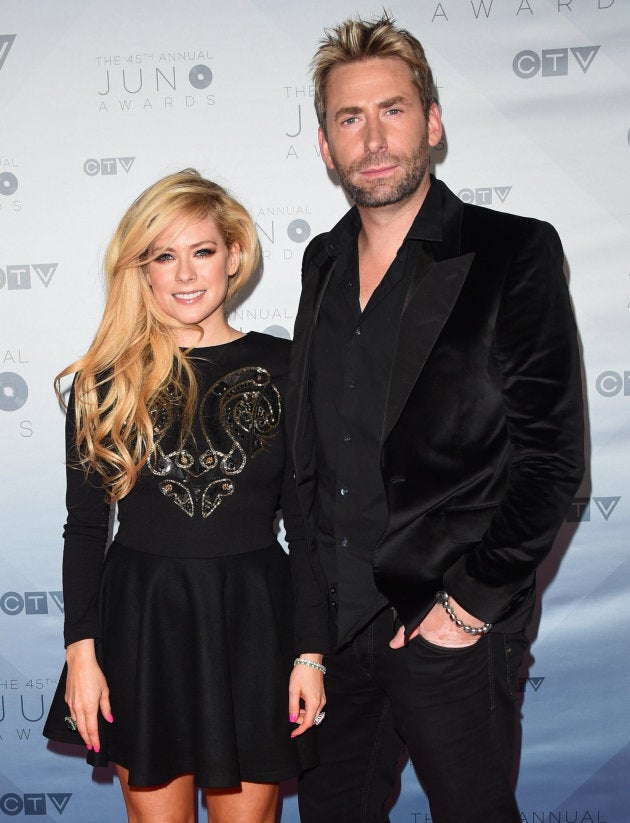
(437, 437)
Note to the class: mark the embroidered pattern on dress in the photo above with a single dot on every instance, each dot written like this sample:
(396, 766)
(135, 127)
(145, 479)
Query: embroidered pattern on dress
(238, 417)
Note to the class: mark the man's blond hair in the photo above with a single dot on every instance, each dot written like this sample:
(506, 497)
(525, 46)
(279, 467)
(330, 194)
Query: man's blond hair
(357, 39)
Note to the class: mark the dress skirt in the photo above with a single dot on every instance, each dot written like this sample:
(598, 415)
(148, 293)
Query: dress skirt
(197, 654)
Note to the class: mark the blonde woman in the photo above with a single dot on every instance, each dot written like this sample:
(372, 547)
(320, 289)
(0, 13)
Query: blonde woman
(179, 639)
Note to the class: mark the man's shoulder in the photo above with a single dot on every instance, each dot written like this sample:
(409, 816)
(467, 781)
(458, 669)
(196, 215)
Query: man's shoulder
(330, 244)
(492, 219)
(481, 226)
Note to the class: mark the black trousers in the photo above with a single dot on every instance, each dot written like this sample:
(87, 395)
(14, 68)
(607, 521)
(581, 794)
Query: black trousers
(453, 709)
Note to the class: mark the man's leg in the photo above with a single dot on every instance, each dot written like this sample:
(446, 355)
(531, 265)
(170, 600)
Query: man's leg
(358, 746)
(455, 710)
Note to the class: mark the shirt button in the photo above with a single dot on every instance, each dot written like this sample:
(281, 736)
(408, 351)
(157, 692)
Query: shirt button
(351, 384)
(347, 438)
(343, 491)
(333, 590)
(344, 544)
(357, 331)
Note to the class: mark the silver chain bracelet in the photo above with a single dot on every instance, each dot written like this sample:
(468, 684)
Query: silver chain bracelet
(310, 663)
(443, 600)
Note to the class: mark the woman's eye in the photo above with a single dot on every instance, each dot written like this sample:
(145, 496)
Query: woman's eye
(204, 252)
(164, 257)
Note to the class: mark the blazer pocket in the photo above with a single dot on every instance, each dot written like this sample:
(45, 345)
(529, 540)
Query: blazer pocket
(468, 525)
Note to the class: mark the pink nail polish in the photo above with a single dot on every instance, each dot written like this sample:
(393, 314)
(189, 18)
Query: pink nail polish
(89, 748)
(292, 718)
(110, 719)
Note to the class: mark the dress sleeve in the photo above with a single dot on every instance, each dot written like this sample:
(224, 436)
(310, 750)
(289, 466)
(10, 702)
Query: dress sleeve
(85, 538)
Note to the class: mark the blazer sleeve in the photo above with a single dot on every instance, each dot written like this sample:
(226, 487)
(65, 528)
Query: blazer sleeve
(311, 609)
(537, 352)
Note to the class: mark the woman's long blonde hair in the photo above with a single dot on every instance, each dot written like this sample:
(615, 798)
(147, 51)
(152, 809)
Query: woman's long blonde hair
(134, 360)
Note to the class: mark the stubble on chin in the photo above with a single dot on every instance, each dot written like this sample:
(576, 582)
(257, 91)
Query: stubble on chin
(382, 192)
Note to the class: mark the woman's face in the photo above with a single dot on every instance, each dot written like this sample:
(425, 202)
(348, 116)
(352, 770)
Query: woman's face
(190, 277)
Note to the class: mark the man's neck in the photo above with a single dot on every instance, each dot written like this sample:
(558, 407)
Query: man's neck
(384, 228)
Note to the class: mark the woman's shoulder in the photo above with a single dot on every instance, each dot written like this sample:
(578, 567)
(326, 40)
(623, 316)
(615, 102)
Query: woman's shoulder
(269, 344)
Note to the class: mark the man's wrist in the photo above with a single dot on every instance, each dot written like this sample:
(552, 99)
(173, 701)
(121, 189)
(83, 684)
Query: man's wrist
(443, 599)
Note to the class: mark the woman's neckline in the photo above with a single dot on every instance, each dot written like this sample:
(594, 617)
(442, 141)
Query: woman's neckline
(218, 345)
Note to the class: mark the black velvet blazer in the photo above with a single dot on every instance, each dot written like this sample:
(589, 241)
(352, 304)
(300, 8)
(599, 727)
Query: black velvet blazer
(482, 443)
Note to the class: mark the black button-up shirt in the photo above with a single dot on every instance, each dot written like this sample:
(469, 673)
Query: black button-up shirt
(351, 363)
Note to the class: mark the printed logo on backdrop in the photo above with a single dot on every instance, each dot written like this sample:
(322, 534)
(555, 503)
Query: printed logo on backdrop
(554, 62)
(300, 98)
(613, 383)
(33, 803)
(442, 12)
(23, 701)
(105, 166)
(581, 509)
(9, 185)
(528, 683)
(282, 230)
(6, 42)
(29, 603)
(14, 390)
(22, 276)
(168, 80)
(564, 815)
(485, 195)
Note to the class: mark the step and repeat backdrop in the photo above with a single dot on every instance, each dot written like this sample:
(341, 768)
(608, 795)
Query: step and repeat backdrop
(99, 99)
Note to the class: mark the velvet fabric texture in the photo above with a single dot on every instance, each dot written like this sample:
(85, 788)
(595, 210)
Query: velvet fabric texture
(482, 445)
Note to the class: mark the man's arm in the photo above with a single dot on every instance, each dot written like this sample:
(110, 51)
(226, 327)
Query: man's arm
(537, 352)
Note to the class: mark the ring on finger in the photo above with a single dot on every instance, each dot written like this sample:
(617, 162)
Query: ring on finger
(71, 723)
(319, 718)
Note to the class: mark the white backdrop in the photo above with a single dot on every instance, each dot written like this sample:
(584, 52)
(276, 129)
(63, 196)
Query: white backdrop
(99, 99)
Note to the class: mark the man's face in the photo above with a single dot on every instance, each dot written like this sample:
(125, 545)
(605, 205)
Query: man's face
(377, 135)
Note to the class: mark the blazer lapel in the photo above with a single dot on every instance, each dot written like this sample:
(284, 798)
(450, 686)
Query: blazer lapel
(431, 296)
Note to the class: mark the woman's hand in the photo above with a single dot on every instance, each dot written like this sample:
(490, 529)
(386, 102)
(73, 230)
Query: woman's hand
(86, 691)
(306, 685)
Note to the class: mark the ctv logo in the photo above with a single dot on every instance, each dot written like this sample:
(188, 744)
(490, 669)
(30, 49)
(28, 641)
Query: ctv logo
(107, 165)
(33, 803)
(6, 41)
(611, 383)
(533, 682)
(580, 510)
(13, 603)
(484, 195)
(552, 62)
(18, 277)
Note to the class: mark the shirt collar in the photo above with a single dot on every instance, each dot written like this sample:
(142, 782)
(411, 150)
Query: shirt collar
(427, 224)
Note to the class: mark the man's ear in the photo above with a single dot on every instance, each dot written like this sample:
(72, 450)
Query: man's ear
(324, 150)
(434, 125)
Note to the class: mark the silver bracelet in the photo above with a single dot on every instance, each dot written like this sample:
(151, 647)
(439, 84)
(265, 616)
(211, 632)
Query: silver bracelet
(310, 663)
(442, 599)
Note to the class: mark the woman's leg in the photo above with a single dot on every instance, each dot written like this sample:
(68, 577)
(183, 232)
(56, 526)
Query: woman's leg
(251, 803)
(172, 802)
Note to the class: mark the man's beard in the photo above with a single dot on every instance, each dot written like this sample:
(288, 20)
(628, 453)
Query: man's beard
(382, 192)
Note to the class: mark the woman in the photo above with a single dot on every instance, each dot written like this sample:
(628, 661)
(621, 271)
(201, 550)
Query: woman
(178, 643)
